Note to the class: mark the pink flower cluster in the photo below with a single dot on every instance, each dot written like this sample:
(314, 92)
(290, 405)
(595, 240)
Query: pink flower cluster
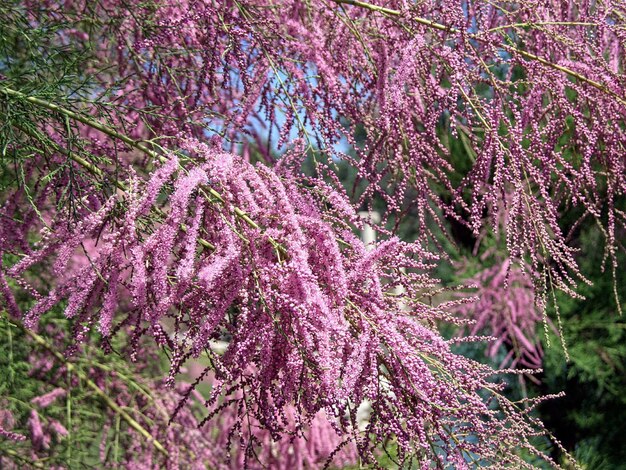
(190, 442)
(7, 422)
(304, 306)
(209, 247)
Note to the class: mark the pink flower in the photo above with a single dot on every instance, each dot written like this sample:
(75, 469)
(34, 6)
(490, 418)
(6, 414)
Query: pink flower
(43, 401)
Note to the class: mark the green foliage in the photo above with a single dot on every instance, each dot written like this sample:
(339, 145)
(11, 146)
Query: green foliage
(34, 59)
(591, 418)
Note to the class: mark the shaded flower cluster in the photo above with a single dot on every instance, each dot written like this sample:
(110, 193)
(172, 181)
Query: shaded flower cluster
(506, 309)
(145, 435)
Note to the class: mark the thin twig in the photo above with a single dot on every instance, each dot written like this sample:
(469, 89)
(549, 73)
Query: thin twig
(94, 170)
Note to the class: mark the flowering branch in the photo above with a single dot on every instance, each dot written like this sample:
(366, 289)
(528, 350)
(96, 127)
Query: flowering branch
(301, 303)
(451, 29)
(132, 143)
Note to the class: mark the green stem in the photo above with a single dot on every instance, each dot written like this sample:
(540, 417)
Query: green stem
(15, 455)
(94, 170)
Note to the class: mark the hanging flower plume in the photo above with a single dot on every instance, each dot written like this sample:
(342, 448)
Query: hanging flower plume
(534, 92)
(139, 210)
(304, 306)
